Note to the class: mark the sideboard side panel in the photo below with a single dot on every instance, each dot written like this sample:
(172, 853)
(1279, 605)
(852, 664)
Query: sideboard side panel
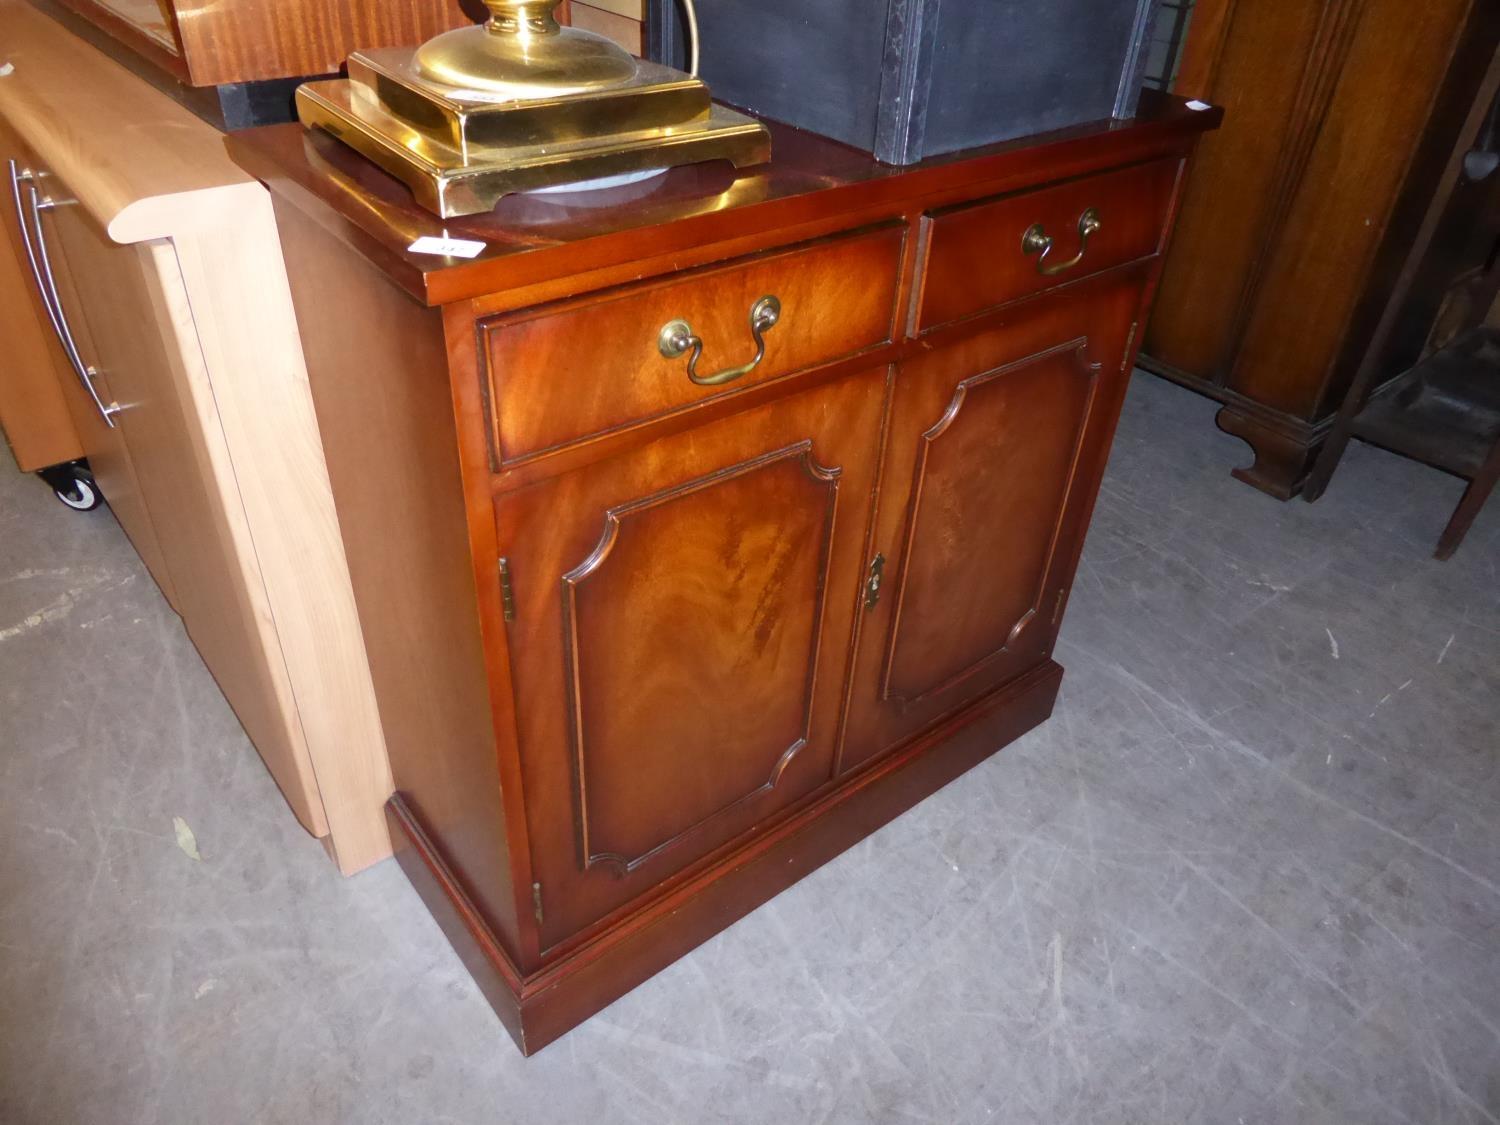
(379, 374)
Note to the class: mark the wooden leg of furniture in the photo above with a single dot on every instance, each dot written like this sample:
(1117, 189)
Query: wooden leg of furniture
(1468, 508)
(1282, 459)
(540, 1006)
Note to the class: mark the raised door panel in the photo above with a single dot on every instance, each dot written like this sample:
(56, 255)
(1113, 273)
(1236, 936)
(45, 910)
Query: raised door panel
(996, 448)
(680, 640)
(1021, 424)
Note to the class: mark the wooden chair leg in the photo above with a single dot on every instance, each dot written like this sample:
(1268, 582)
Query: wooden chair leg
(1468, 508)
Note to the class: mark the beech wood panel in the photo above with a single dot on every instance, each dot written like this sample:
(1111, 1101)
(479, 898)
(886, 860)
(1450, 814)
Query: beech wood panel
(993, 459)
(205, 542)
(105, 447)
(33, 412)
(558, 375)
(221, 294)
(207, 325)
(975, 257)
(64, 96)
(684, 613)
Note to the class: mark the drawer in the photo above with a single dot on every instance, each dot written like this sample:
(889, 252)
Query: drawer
(981, 255)
(565, 373)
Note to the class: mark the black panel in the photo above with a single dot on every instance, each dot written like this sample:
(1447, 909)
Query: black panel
(814, 65)
(906, 79)
(1008, 68)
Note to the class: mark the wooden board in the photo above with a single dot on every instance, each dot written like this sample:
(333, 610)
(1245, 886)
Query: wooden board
(263, 581)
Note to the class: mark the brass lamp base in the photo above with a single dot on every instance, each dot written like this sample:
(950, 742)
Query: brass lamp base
(460, 151)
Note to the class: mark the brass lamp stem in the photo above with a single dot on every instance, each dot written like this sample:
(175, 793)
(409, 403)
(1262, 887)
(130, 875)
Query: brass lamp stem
(523, 17)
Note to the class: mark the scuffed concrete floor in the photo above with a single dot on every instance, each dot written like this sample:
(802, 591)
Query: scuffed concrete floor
(1250, 872)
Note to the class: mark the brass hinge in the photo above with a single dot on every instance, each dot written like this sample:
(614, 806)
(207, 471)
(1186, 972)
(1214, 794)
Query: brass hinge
(1057, 607)
(872, 583)
(536, 901)
(507, 595)
(1130, 346)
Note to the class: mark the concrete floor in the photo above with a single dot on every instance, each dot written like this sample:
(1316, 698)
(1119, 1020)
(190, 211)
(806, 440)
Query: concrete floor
(1250, 872)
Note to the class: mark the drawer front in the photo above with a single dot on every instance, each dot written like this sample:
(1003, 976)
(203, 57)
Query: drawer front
(982, 255)
(566, 373)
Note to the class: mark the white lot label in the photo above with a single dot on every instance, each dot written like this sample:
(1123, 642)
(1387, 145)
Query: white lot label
(446, 247)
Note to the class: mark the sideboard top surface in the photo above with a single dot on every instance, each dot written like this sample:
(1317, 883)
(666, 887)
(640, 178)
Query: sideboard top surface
(810, 181)
(139, 163)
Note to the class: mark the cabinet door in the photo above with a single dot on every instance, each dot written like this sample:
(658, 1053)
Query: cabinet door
(130, 311)
(40, 202)
(996, 448)
(33, 412)
(680, 640)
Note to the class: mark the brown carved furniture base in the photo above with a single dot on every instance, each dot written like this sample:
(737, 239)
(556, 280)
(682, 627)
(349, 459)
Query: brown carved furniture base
(1284, 450)
(1284, 447)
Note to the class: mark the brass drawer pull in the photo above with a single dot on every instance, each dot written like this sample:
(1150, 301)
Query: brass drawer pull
(1036, 240)
(676, 338)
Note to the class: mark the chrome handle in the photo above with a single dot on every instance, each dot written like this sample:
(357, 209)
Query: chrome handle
(47, 282)
(676, 338)
(1036, 240)
(18, 176)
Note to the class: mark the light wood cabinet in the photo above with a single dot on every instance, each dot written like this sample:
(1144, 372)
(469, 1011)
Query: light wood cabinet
(667, 600)
(33, 412)
(35, 204)
(160, 281)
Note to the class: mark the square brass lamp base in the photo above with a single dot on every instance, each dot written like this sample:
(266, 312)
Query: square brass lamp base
(460, 156)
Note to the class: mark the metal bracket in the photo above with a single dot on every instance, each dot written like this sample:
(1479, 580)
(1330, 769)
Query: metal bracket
(507, 594)
(873, 581)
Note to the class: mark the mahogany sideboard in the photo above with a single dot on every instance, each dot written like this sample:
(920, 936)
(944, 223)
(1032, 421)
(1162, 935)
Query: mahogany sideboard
(699, 528)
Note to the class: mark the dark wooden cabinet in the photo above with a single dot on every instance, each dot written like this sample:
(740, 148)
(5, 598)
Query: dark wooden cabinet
(1298, 222)
(657, 630)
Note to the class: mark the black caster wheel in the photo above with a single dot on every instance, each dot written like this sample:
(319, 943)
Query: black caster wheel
(73, 484)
